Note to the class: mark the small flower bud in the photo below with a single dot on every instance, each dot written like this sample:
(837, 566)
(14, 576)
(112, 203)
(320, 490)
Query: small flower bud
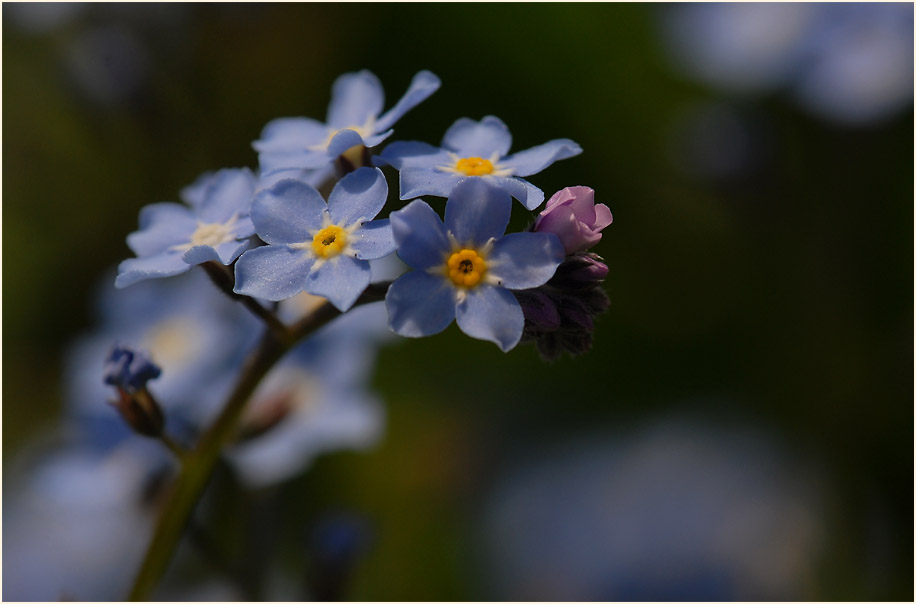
(582, 270)
(573, 216)
(560, 315)
(129, 370)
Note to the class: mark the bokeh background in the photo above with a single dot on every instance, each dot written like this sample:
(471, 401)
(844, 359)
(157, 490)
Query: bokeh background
(742, 428)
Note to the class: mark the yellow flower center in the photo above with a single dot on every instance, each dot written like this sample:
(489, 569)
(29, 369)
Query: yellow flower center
(474, 166)
(329, 241)
(466, 268)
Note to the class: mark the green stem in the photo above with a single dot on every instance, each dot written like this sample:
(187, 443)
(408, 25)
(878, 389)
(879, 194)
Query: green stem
(198, 464)
(177, 450)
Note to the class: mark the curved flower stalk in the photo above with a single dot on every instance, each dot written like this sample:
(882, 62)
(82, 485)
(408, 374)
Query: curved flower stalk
(472, 149)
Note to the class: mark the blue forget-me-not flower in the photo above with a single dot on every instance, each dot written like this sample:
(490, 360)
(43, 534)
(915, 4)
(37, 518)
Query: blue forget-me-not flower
(474, 149)
(465, 267)
(298, 147)
(173, 237)
(313, 246)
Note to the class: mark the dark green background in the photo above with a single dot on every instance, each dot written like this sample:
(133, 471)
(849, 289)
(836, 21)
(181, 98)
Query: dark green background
(782, 297)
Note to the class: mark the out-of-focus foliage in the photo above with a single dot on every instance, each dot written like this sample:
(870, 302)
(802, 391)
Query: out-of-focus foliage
(760, 272)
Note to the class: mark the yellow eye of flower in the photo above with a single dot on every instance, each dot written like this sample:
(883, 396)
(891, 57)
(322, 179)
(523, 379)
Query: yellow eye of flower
(466, 268)
(329, 241)
(474, 166)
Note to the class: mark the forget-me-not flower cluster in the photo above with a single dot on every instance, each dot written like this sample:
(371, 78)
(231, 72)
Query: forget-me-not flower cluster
(279, 237)
(317, 259)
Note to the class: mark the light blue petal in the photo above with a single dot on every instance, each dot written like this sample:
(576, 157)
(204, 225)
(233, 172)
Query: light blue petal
(152, 267)
(272, 272)
(355, 98)
(231, 250)
(223, 253)
(420, 304)
(163, 212)
(162, 225)
(525, 260)
(194, 193)
(286, 143)
(271, 162)
(290, 134)
(318, 177)
(423, 84)
(420, 235)
(492, 314)
(414, 154)
(414, 182)
(477, 211)
(373, 240)
(243, 227)
(519, 188)
(314, 177)
(341, 280)
(342, 141)
(533, 160)
(228, 193)
(358, 196)
(200, 254)
(468, 138)
(377, 139)
(288, 212)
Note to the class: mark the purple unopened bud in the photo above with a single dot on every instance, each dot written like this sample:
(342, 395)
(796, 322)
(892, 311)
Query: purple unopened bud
(580, 271)
(573, 216)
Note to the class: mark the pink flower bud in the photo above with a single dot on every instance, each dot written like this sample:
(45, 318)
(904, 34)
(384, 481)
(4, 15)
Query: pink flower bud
(571, 215)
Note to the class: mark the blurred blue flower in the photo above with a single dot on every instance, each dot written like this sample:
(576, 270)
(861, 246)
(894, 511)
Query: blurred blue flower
(679, 510)
(297, 146)
(129, 369)
(315, 401)
(192, 330)
(848, 62)
(861, 62)
(465, 267)
(76, 522)
(322, 248)
(472, 149)
(174, 237)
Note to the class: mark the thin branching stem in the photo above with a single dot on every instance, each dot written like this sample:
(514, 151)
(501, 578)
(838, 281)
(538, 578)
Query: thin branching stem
(199, 462)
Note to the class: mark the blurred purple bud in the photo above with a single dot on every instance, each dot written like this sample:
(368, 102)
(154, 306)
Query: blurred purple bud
(129, 369)
(573, 216)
